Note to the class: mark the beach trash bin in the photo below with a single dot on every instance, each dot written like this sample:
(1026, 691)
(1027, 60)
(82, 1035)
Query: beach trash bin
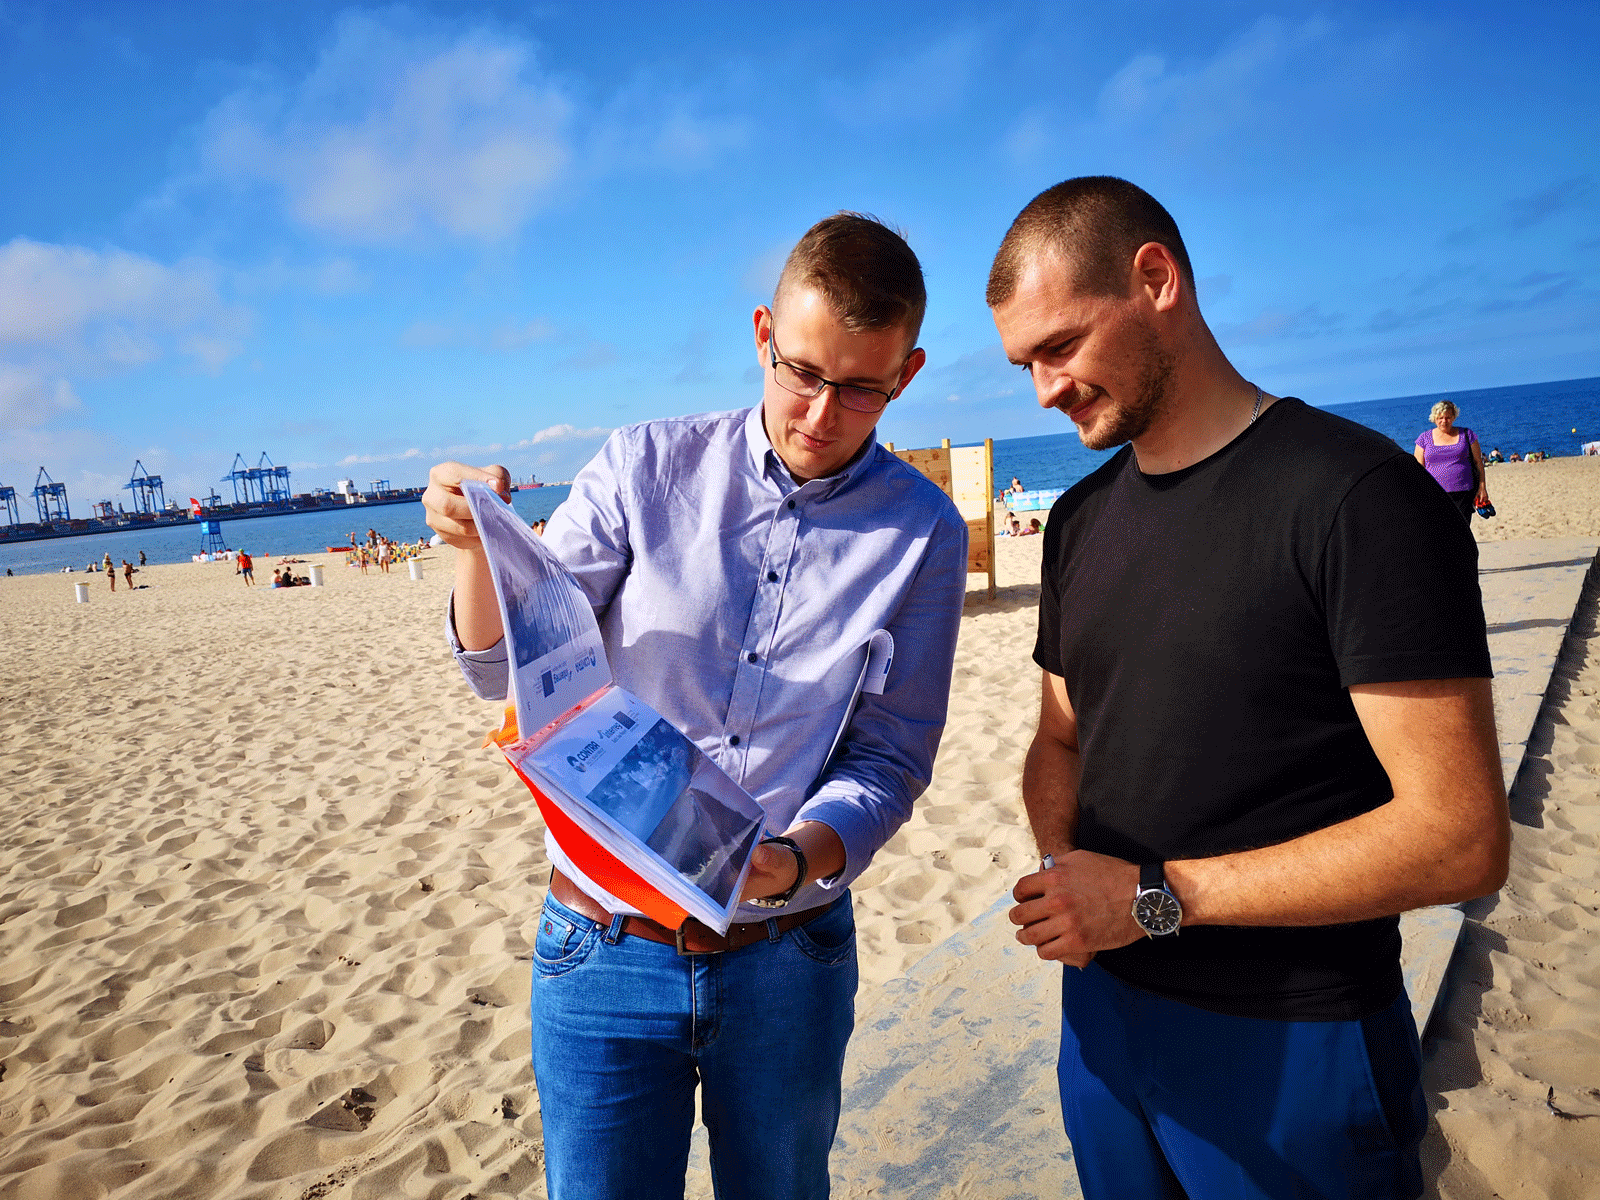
(82, 589)
(416, 569)
(316, 575)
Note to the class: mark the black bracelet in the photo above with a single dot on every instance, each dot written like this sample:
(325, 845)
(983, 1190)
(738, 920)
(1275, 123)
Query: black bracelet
(783, 898)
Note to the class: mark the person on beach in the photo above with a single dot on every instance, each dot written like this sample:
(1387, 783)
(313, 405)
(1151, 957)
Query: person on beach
(385, 554)
(110, 569)
(1259, 623)
(738, 563)
(246, 566)
(127, 573)
(1453, 457)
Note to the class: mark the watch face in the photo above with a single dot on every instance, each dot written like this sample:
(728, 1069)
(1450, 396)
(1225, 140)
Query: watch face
(1157, 912)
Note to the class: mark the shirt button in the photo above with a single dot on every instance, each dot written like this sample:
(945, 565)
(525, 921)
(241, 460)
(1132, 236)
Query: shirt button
(751, 657)
(791, 504)
(772, 577)
(733, 740)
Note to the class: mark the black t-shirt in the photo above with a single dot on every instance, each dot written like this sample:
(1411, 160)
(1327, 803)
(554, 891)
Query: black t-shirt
(1207, 623)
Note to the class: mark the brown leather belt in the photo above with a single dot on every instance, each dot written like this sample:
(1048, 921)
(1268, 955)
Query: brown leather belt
(691, 938)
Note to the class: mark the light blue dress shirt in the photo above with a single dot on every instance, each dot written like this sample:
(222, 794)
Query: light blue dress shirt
(738, 604)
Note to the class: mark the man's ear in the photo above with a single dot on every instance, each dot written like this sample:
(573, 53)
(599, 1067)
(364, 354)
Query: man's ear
(763, 331)
(1157, 276)
(914, 363)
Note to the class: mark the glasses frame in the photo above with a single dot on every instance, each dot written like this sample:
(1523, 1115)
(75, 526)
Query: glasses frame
(838, 388)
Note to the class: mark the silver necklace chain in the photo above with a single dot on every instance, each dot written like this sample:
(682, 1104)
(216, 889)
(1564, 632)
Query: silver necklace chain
(1256, 411)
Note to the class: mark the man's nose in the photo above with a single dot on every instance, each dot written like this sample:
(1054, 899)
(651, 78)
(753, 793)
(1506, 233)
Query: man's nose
(1051, 386)
(824, 410)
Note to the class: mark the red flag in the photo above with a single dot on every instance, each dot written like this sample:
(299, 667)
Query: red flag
(194, 506)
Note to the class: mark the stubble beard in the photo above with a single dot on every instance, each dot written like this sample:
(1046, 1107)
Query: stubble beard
(1152, 397)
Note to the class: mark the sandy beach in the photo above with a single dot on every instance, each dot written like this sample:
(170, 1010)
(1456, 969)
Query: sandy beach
(266, 906)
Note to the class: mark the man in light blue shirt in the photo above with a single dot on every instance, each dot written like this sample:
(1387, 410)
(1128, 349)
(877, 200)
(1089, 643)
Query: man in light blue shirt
(738, 563)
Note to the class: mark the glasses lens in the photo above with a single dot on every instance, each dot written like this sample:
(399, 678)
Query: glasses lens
(801, 383)
(862, 400)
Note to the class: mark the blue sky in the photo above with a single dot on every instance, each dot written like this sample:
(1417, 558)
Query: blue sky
(365, 238)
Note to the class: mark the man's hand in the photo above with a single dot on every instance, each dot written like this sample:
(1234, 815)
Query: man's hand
(475, 610)
(448, 512)
(772, 867)
(1082, 905)
(772, 872)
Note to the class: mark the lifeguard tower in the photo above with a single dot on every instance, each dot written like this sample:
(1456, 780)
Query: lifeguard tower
(211, 538)
(8, 498)
(51, 497)
(148, 496)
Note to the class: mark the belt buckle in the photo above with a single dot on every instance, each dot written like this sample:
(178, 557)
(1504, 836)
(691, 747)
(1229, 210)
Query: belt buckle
(684, 951)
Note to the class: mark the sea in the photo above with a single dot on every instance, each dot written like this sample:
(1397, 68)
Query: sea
(288, 534)
(1554, 417)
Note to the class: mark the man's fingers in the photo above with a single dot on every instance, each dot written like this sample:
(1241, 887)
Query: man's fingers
(1029, 887)
(451, 475)
(448, 512)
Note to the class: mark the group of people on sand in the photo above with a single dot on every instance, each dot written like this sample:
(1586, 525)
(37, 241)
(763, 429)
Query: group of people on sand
(378, 550)
(110, 568)
(1258, 624)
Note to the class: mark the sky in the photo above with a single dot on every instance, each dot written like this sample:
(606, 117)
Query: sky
(363, 239)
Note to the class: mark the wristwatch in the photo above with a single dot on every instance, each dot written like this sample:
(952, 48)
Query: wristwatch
(783, 898)
(1155, 908)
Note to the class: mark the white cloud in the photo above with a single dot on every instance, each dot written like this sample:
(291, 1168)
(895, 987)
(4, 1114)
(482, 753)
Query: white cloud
(390, 135)
(400, 133)
(356, 460)
(28, 399)
(339, 277)
(69, 312)
(110, 305)
(1031, 135)
(561, 433)
(1211, 98)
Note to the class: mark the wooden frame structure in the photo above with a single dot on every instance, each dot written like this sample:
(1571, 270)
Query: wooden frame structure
(966, 475)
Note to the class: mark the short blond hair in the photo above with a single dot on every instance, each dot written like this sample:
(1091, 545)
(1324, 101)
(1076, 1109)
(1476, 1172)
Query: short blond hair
(863, 267)
(1443, 408)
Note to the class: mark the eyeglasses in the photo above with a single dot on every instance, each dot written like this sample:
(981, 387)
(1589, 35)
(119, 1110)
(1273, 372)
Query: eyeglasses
(804, 383)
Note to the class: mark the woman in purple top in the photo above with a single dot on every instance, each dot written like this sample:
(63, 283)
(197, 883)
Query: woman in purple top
(1454, 458)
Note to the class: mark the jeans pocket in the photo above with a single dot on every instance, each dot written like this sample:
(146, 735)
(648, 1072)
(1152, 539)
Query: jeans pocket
(561, 943)
(831, 937)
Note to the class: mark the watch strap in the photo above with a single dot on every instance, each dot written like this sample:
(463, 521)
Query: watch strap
(1152, 875)
(782, 898)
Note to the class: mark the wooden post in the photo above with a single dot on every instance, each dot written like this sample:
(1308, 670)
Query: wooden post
(966, 475)
(988, 507)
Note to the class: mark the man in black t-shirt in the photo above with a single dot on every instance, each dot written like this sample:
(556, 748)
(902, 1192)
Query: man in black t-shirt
(1265, 730)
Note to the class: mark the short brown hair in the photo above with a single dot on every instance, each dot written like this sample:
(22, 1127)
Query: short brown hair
(1096, 223)
(869, 276)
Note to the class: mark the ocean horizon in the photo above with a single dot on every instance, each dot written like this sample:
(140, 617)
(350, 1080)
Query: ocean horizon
(1557, 417)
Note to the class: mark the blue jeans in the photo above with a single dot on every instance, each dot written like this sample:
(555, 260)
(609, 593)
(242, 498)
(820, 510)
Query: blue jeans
(1165, 1100)
(624, 1029)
